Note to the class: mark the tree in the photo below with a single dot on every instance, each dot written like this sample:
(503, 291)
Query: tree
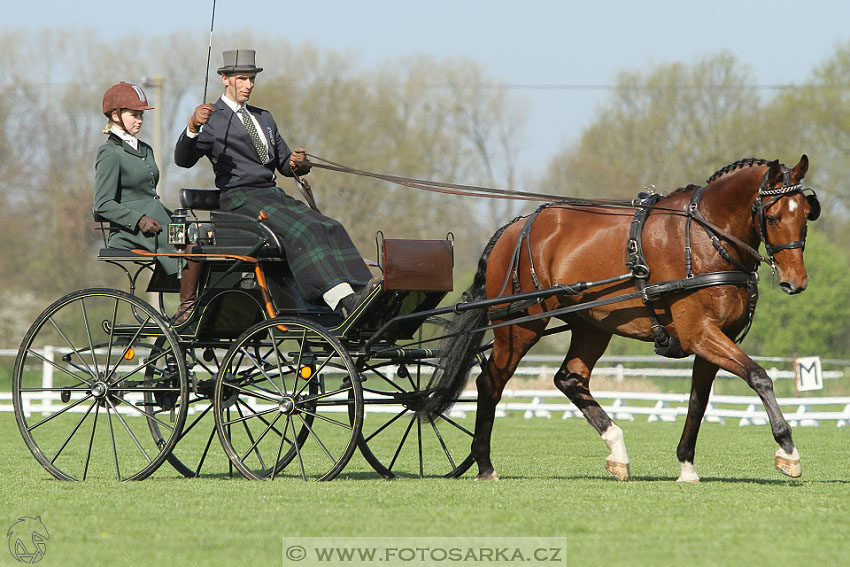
(672, 126)
(813, 118)
(417, 118)
(414, 117)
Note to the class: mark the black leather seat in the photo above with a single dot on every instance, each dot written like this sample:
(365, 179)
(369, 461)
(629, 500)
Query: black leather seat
(200, 199)
(233, 233)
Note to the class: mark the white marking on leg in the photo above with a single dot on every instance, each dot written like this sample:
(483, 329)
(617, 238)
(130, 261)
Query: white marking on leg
(687, 473)
(793, 456)
(615, 440)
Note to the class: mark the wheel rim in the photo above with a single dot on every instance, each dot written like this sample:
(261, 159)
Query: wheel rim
(289, 385)
(397, 443)
(107, 380)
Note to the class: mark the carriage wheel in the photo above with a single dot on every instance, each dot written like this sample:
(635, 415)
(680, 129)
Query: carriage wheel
(197, 451)
(394, 441)
(96, 368)
(289, 385)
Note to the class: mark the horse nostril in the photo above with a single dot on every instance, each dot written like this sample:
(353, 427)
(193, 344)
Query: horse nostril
(790, 288)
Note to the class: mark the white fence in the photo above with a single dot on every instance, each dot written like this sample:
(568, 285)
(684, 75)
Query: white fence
(621, 405)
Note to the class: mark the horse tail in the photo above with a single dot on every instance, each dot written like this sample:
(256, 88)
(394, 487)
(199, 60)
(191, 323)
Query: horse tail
(458, 349)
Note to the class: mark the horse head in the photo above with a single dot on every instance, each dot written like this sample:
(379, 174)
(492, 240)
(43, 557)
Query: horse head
(781, 212)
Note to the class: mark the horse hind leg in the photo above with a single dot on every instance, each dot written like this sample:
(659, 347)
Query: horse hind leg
(509, 346)
(573, 379)
(702, 378)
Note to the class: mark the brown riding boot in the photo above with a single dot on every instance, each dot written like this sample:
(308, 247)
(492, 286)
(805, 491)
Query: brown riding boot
(188, 291)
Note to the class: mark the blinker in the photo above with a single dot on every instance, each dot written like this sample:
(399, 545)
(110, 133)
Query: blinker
(814, 205)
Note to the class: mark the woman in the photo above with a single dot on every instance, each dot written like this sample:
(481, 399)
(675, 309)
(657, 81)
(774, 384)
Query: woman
(125, 189)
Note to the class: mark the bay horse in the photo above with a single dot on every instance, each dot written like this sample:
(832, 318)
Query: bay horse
(684, 238)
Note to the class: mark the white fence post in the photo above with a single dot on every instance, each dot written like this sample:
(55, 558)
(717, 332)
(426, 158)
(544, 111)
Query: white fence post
(47, 378)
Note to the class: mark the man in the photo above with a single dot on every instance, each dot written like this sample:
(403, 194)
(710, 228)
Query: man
(245, 148)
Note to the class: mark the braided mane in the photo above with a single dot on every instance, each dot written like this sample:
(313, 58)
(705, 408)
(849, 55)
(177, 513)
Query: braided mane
(732, 167)
(748, 162)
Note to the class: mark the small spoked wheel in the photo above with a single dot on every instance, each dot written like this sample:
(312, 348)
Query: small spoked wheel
(397, 443)
(282, 400)
(96, 370)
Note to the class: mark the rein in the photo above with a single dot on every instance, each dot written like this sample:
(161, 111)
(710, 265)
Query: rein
(508, 310)
(640, 203)
(493, 193)
(465, 190)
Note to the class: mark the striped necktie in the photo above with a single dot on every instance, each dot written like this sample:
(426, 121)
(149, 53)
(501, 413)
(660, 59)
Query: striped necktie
(262, 151)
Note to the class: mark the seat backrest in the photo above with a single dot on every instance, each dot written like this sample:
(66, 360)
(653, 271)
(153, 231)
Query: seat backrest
(103, 226)
(200, 199)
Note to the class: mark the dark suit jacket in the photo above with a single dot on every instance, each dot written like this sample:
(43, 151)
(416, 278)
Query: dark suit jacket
(227, 144)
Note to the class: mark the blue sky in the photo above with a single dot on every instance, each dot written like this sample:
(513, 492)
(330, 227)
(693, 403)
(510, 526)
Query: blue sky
(543, 42)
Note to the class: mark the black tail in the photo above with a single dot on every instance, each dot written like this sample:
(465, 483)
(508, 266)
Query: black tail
(457, 353)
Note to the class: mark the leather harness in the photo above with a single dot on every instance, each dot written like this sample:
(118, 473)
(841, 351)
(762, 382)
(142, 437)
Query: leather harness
(639, 270)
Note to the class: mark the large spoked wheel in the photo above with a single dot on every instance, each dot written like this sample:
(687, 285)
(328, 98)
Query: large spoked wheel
(282, 398)
(198, 451)
(397, 443)
(94, 371)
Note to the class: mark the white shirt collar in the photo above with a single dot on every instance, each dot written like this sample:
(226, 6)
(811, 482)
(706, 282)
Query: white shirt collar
(129, 138)
(233, 105)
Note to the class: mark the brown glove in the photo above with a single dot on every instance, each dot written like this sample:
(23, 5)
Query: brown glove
(298, 162)
(149, 226)
(200, 117)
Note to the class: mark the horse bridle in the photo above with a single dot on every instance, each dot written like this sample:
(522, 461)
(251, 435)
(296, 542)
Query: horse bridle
(785, 190)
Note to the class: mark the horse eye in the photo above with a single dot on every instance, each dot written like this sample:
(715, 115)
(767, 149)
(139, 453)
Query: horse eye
(772, 220)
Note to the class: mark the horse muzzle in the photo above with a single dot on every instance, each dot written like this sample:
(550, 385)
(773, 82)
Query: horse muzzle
(792, 288)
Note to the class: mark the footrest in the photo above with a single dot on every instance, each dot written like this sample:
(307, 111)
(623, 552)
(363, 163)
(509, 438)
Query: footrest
(112, 254)
(265, 253)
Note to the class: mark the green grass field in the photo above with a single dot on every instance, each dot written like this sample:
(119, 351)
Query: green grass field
(553, 484)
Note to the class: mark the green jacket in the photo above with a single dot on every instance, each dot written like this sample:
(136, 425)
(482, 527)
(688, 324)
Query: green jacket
(124, 190)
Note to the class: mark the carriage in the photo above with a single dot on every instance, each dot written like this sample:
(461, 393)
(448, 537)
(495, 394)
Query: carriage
(286, 386)
(284, 383)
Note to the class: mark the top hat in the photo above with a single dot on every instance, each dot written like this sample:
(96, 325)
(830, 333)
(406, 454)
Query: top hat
(239, 61)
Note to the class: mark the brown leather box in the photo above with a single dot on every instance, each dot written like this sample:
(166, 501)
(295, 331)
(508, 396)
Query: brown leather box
(418, 265)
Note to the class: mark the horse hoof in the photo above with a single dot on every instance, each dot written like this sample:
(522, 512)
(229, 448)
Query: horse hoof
(688, 480)
(487, 476)
(789, 467)
(618, 470)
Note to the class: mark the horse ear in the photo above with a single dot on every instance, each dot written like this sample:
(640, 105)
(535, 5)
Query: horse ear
(801, 168)
(774, 173)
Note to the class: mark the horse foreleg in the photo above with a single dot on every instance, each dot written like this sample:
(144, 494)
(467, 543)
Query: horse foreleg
(704, 373)
(573, 379)
(719, 349)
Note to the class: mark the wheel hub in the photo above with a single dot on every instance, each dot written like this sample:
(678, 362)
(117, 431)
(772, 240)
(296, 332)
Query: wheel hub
(99, 389)
(286, 405)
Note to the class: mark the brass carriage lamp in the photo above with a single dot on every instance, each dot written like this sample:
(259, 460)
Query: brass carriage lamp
(177, 229)
(178, 236)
